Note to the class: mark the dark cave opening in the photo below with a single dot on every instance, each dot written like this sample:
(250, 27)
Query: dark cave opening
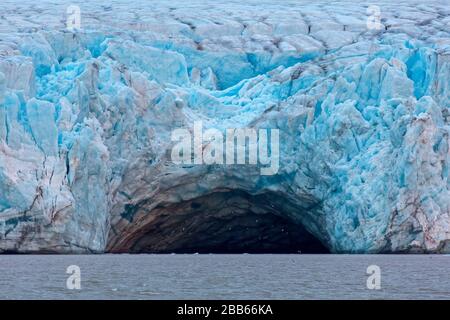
(222, 222)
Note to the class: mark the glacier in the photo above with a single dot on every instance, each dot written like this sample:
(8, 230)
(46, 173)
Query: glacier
(86, 118)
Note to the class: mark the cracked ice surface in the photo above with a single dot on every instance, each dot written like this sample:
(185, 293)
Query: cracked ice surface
(86, 118)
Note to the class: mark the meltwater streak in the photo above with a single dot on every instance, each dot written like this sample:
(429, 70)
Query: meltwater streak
(224, 276)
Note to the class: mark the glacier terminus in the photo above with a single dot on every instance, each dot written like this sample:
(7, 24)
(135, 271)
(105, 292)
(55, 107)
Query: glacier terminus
(87, 115)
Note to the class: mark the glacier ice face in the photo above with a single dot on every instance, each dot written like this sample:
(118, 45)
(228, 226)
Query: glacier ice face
(86, 120)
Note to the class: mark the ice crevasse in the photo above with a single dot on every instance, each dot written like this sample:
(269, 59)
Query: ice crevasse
(364, 116)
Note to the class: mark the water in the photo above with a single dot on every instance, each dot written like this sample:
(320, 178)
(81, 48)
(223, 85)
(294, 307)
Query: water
(224, 276)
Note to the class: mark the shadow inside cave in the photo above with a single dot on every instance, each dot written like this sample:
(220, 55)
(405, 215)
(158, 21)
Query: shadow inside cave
(221, 222)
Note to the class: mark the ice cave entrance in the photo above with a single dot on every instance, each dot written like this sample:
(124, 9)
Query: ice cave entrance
(222, 222)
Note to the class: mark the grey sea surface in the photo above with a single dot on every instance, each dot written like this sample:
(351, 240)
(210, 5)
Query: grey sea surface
(215, 276)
